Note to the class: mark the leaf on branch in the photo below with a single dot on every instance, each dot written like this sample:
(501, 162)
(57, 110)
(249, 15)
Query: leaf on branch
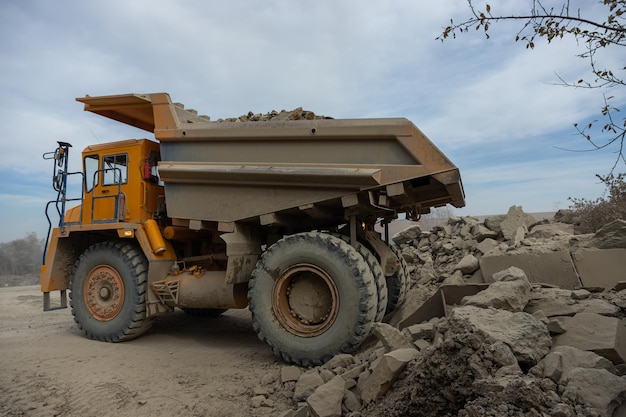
(488, 8)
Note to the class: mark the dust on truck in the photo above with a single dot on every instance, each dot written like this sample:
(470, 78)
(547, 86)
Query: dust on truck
(287, 218)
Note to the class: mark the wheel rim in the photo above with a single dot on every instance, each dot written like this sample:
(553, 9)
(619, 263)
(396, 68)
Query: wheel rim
(104, 293)
(305, 300)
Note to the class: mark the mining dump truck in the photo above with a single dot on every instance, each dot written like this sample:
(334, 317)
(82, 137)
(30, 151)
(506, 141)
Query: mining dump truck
(287, 218)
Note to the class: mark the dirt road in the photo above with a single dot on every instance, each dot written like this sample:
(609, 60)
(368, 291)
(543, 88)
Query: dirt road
(184, 366)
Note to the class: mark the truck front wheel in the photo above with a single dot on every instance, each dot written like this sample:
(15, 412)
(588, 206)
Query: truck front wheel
(312, 296)
(108, 292)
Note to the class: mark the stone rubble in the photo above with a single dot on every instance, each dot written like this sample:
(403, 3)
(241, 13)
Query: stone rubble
(514, 347)
(275, 116)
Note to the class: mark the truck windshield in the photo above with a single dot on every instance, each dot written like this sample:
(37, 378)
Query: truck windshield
(114, 166)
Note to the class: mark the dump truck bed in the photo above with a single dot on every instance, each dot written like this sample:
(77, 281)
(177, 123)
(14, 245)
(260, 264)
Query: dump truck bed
(304, 173)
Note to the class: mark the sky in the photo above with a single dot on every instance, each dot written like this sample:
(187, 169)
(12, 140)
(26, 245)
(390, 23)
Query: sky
(491, 105)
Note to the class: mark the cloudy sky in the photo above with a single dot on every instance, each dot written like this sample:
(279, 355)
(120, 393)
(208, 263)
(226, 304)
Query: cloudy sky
(491, 105)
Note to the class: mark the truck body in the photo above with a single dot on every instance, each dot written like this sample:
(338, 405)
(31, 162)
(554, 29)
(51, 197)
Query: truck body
(281, 217)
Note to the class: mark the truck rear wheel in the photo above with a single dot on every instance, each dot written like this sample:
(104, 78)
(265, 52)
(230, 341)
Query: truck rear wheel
(397, 284)
(377, 272)
(312, 296)
(108, 292)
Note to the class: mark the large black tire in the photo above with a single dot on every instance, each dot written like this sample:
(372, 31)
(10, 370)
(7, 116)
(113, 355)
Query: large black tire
(312, 296)
(397, 284)
(377, 272)
(108, 292)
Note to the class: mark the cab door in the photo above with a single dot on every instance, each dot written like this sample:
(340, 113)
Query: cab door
(108, 200)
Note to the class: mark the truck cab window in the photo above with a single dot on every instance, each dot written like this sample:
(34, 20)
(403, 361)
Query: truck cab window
(91, 166)
(115, 169)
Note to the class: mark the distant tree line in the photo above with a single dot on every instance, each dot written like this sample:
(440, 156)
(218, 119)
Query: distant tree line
(21, 256)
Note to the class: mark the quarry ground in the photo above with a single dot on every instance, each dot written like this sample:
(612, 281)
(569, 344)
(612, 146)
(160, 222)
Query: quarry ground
(183, 366)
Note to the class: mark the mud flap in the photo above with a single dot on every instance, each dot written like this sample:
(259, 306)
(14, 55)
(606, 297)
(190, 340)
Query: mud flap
(62, 302)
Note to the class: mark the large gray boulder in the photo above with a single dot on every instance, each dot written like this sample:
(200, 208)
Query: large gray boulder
(326, 400)
(559, 302)
(603, 335)
(510, 292)
(596, 387)
(307, 384)
(558, 363)
(611, 235)
(515, 223)
(391, 337)
(526, 336)
(386, 372)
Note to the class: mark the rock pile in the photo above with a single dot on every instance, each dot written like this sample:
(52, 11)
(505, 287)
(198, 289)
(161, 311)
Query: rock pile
(514, 348)
(275, 116)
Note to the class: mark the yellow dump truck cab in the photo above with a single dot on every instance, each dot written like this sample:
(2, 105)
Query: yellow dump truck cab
(121, 182)
(120, 194)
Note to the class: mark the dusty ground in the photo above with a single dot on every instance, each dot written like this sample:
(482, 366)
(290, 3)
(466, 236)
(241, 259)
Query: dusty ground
(183, 366)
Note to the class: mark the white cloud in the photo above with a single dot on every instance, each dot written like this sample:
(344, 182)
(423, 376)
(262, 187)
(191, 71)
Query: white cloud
(487, 103)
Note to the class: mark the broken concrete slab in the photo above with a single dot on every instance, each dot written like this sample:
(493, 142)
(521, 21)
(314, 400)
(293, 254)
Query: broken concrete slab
(562, 359)
(326, 400)
(548, 230)
(495, 222)
(503, 295)
(605, 336)
(352, 373)
(611, 235)
(514, 220)
(343, 360)
(556, 302)
(555, 326)
(386, 372)
(600, 268)
(422, 331)
(482, 233)
(512, 273)
(307, 384)
(550, 267)
(468, 264)
(391, 337)
(527, 337)
(289, 373)
(487, 245)
(596, 387)
(407, 235)
(455, 279)
(351, 401)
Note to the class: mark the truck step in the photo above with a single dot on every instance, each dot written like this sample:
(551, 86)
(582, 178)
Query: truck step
(62, 301)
